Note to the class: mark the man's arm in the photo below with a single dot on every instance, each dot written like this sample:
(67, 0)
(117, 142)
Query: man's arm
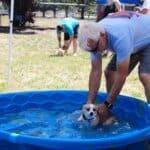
(121, 74)
(120, 77)
(69, 30)
(94, 79)
(59, 40)
(67, 43)
(145, 11)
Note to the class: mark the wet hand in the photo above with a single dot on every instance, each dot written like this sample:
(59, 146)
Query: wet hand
(64, 47)
(103, 111)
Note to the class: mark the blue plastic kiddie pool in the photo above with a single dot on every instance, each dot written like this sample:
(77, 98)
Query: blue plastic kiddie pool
(41, 120)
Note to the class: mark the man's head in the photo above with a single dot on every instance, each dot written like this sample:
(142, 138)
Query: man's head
(90, 33)
(109, 9)
(59, 29)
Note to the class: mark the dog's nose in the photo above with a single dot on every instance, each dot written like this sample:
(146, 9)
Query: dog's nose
(91, 113)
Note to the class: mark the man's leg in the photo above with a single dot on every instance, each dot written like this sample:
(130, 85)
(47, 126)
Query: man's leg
(110, 77)
(75, 45)
(66, 42)
(145, 79)
(110, 71)
(144, 71)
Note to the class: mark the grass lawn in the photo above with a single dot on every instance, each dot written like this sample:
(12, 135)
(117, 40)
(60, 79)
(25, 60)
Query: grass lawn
(35, 66)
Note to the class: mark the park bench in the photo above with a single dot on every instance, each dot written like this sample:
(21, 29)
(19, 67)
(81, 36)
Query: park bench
(65, 5)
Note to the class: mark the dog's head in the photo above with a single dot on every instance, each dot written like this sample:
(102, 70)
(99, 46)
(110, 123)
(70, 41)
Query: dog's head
(91, 115)
(60, 52)
(89, 111)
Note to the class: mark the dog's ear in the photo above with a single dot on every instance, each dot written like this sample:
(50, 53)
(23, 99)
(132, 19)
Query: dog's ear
(84, 106)
(97, 108)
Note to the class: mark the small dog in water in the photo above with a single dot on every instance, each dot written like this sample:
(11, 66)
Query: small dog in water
(91, 115)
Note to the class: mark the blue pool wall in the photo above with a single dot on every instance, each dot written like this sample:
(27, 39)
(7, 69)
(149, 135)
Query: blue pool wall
(19, 101)
(123, 1)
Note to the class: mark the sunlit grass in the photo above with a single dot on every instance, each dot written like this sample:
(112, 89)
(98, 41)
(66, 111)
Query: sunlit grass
(34, 65)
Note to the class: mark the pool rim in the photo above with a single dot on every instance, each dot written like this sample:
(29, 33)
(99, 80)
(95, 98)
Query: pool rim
(142, 134)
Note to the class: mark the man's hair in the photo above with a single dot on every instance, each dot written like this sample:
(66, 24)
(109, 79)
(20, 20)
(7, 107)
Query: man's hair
(89, 30)
(109, 9)
(59, 28)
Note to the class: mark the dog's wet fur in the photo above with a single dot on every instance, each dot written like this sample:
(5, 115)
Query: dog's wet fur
(91, 115)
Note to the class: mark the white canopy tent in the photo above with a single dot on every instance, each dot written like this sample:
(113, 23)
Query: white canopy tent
(10, 42)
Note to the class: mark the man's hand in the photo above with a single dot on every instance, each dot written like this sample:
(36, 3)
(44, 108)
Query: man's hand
(103, 111)
(64, 47)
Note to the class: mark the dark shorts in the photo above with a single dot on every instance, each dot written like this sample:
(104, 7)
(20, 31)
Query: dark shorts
(142, 57)
(66, 35)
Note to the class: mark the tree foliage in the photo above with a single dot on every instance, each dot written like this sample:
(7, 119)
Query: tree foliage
(22, 6)
(88, 2)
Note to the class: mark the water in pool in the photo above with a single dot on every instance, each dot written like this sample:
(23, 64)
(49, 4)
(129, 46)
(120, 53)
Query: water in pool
(55, 124)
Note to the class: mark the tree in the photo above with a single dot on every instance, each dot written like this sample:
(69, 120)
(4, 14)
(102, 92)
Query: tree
(88, 3)
(20, 9)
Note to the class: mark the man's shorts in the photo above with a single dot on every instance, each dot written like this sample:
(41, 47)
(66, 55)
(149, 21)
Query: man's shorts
(75, 30)
(142, 57)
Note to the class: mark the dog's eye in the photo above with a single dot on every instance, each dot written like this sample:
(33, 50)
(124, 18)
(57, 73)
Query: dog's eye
(88, 109)
(94, 109)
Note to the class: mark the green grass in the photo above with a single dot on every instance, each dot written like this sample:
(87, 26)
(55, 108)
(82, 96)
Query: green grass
(34, 65)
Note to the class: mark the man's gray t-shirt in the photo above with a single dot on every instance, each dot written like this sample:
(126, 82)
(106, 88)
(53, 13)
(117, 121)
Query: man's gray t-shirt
(126, 35)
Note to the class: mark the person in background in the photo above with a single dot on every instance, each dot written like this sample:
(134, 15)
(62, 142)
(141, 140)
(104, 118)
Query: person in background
(117, 3)
(145, 7)
(127, 35)
(70, 28)
(29, 16)
(111, 7)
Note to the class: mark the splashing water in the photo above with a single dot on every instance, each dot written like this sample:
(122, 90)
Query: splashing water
(55, 124)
